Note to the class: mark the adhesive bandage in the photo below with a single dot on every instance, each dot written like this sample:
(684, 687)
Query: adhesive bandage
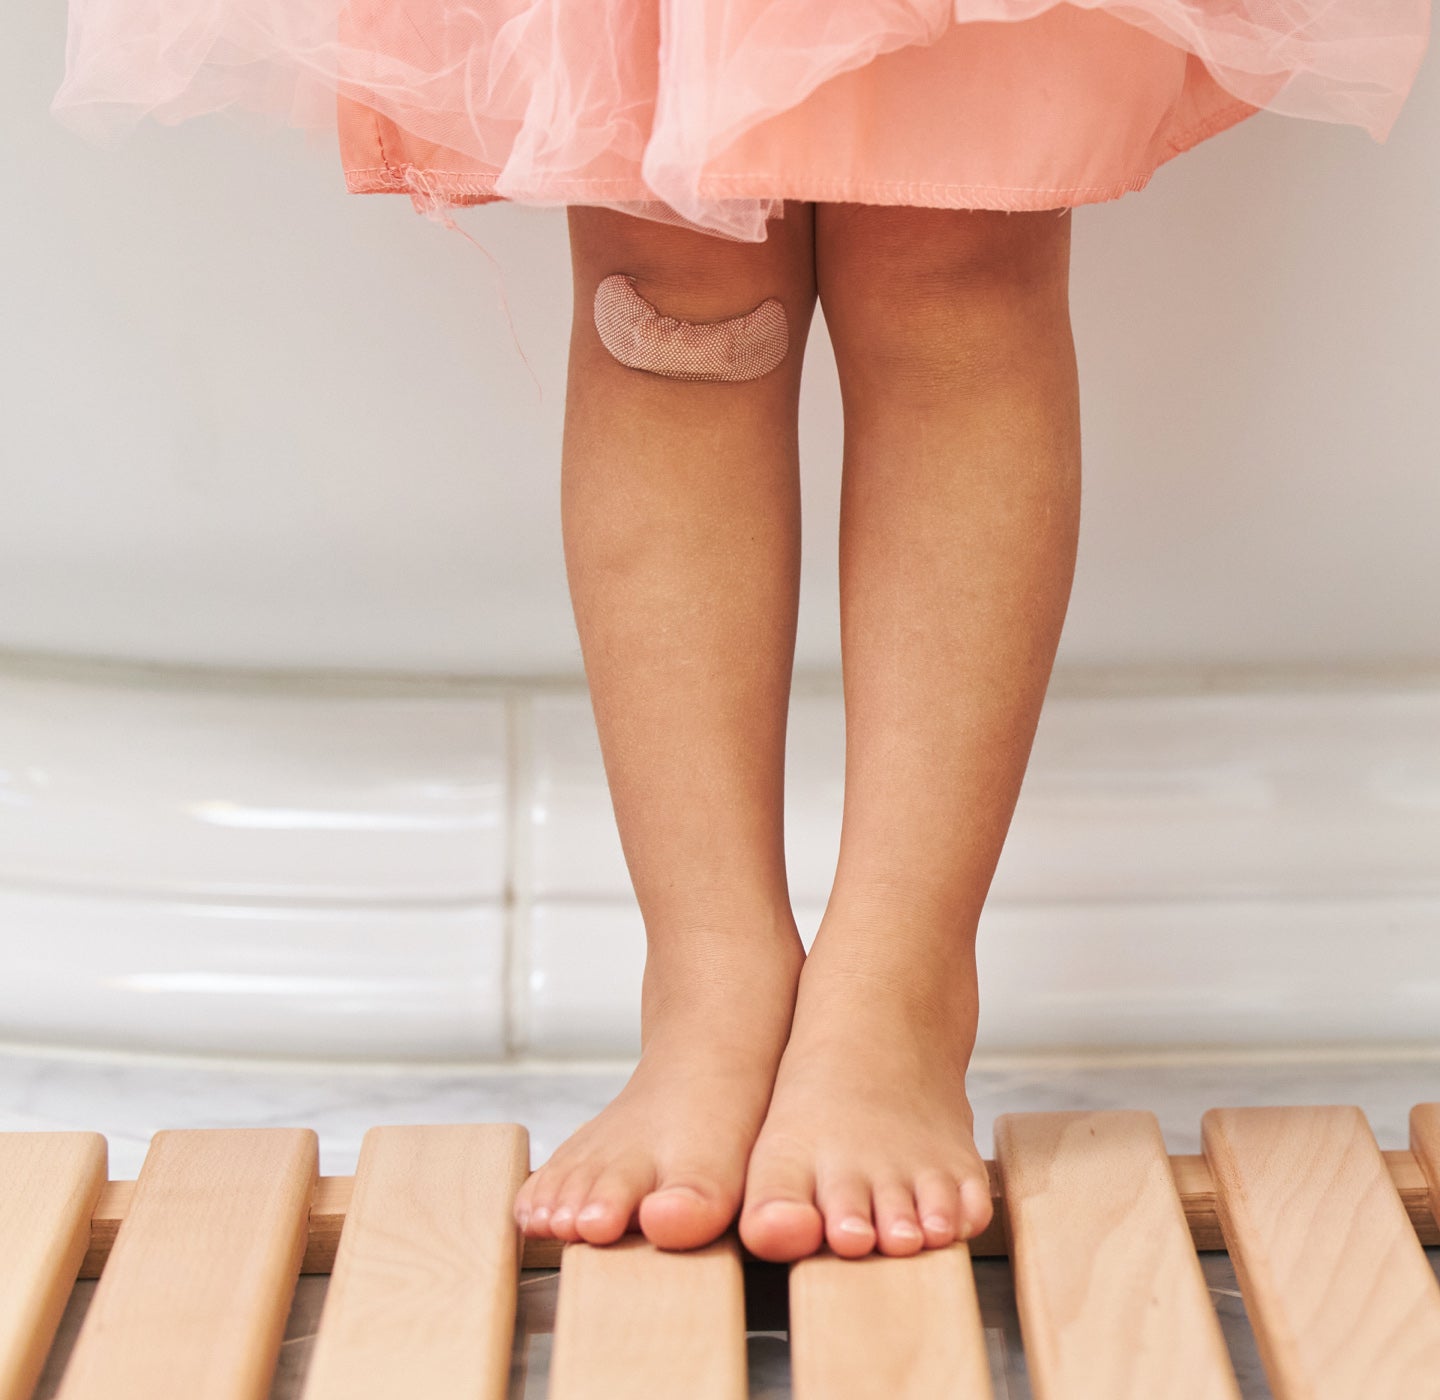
(636, 334)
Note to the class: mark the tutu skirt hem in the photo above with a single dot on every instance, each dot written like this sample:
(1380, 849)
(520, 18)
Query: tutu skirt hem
(429, 186)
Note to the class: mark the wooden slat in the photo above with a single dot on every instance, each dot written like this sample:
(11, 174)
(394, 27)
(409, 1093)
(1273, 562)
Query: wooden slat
(422, 1302)
(193, 1300)
(49, 1184)
(887, 1329)
(1425, 1144)
(1342, 1300)
(1112, 1302)
(1192, 1180)
(633, 1320)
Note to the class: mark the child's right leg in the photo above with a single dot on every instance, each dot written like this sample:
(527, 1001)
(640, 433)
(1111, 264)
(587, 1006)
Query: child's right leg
(681, 520)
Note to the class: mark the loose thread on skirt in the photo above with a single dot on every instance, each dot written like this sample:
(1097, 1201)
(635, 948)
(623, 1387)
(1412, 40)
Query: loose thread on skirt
(428, 201)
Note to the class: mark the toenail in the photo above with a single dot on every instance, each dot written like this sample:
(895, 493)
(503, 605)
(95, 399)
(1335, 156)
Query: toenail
(523, 1216)
(593, 1212)
(562, 1216)
(685, 1190)
(937, 1224)
(541, 1215)
(781, 1205)
(905, 1230)
(855, 1225)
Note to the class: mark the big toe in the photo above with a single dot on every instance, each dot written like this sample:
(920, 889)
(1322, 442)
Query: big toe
(687, 1210)
(781, 1221)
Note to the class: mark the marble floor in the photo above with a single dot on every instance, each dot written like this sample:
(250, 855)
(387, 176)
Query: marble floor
(129, 1098)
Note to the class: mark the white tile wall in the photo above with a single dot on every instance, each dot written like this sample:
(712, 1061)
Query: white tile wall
(294, 868)
(583, 985)
(251, 791)
(1202, 796)
(251, 868)
(225, 976)
(1209, 972)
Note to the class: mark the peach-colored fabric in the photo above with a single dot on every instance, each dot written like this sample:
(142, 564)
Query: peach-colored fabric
(712, 112)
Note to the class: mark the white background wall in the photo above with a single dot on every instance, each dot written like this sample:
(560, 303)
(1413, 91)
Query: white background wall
(249, 418)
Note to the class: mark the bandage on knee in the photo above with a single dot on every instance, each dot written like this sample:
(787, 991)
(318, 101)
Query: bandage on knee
(636, 334)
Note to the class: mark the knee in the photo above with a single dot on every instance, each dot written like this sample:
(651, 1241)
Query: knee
(924, 289)
(934, 254)
(684, 305)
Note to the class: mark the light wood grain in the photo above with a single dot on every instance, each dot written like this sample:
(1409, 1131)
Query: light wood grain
(193, 1300)
(1342, 1300)
(422, 1301)
(1112, 1302)
(887, 1329)
(1425, 1144)
(49, 1184)
(633, 1320)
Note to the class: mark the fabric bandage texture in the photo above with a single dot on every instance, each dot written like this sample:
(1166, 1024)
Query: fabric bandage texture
(636, 334)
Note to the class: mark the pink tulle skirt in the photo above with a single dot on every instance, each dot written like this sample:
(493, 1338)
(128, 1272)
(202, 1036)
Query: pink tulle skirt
(712, 112)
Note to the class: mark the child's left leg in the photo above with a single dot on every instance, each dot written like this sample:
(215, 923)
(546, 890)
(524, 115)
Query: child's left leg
(959, 519)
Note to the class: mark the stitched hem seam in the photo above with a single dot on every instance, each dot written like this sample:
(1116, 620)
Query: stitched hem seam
(479, 186)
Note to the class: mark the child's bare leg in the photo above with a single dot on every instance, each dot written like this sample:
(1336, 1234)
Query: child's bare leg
(960, 516)
(681, 523)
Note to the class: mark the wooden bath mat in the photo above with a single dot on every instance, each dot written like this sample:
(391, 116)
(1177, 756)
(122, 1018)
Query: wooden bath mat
(200, 1257)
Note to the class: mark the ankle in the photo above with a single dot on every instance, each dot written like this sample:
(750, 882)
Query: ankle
(717, 978)
(929, 983)
(722, 947)
(897, 939)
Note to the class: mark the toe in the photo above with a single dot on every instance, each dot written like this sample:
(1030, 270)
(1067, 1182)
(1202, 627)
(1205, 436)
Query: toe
(537, 1227)
(937, 1202)
(533, 1204)
(897, 1228)
(609, 1207)
(849, 1222)
(525, 1201)
(573, 1193)
(688, 1209)
(976, 1206)
(544, 1188)
(780, 1222)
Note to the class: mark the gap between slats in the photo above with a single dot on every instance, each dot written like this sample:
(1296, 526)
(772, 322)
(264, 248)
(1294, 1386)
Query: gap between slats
(1192, 1181)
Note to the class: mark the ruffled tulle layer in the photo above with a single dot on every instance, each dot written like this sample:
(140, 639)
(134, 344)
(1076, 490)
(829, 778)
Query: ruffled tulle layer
(713, 112)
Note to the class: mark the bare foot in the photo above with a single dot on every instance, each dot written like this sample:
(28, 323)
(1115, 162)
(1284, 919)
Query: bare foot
(669, 1152)
(869, 1143)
